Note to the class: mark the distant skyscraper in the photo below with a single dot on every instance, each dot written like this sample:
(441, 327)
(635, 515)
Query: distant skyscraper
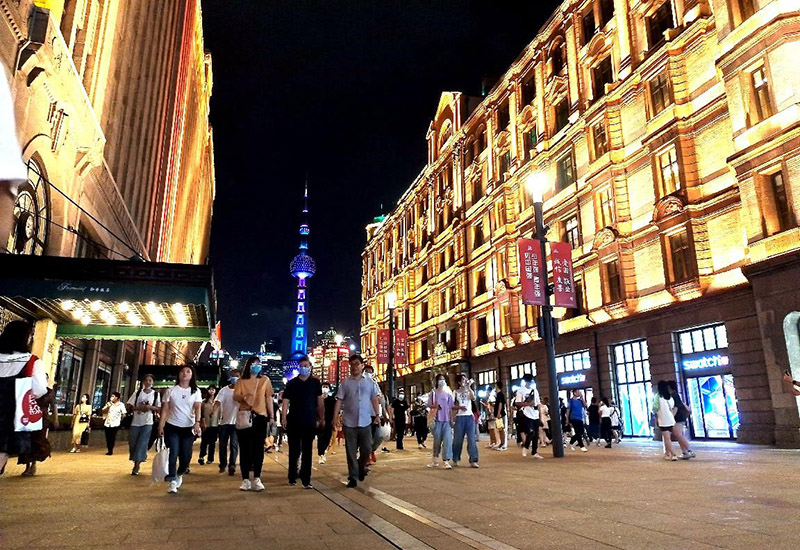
(302, 268)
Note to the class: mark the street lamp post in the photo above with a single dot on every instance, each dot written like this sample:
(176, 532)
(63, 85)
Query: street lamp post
(536, 188)
(391, 302)
(338, 341)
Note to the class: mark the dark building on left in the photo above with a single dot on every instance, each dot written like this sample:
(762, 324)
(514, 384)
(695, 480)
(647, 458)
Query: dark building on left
(105, 222)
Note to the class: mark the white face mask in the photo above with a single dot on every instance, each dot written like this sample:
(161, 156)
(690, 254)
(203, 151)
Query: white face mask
(368, 374)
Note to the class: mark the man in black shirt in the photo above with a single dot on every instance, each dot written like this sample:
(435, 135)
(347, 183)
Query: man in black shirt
(303, 399)
(500, 415)
(326, 432)
(399, 408)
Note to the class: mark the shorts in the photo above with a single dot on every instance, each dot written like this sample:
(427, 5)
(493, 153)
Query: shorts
(666, 429)
(492, 424)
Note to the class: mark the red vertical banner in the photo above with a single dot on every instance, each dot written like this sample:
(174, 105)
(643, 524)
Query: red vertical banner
(563, 280)
(401, 347)
(531, 272)
(383, 346)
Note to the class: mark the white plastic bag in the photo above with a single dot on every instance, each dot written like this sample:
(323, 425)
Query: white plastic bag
(385, 432)
(160, 461)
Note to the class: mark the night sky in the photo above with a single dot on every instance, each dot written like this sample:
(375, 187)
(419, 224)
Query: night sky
(343, 92)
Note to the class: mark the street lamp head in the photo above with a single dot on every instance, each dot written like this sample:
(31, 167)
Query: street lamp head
(338, 339)
(536, 184)
(391, 299)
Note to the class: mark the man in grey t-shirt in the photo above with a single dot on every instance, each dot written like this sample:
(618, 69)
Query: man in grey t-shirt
(358, 398)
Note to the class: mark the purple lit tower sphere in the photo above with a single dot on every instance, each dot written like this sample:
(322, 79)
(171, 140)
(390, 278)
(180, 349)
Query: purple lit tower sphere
(302, 268)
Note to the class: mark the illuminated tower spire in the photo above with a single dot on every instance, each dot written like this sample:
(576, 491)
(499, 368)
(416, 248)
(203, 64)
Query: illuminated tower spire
(302, 268)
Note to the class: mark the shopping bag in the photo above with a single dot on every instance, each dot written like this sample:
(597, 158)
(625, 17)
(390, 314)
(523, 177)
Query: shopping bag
(385, 431)
(27, 413)
(160, 461)
(85, 438)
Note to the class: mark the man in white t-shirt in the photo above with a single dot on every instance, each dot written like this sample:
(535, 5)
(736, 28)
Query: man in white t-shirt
(527, 399)
(142, 403)
(227, 425)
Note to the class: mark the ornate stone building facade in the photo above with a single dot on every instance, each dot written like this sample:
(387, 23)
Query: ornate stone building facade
(111, 102)
(669, 133)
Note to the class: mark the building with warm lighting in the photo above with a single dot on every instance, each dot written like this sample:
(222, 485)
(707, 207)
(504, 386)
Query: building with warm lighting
(111, 102)
(669, 134)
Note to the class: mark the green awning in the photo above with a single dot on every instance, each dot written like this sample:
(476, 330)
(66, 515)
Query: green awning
(112, 300)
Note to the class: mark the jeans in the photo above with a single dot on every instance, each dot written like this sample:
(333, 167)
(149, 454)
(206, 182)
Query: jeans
(465, 425)
(251, 445)
(111, 437)
(421, 428)
(358, 444)
(179, 441)
(578, 426)
(442, 440)
(137, 442)
(324, 439)
(227, 437)
(301, 446)
(208, 442)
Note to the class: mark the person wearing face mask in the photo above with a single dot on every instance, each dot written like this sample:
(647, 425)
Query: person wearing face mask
(304, 411)
(228, 442)
(440, 402)
(527, 401)
(80, 422)
(326, 431)
(253, 393)
(114, 411)
(465, 422)
(398, 417)
(143, 403)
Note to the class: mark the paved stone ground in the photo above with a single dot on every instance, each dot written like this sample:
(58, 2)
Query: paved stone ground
(730, 496)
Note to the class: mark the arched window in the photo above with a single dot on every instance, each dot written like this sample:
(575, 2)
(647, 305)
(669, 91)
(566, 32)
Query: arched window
(31, 214)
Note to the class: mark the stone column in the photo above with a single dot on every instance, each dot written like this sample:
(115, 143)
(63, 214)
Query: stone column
(45, 346)
(119, 367)
(90, 362)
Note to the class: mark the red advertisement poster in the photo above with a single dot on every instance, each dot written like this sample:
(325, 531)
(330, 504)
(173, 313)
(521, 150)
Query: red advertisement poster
(530, 272)
(563, 280)
(383, 346)
(401, 347)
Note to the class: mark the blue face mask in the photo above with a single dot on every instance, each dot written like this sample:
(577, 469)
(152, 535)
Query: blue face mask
(442, 383)
(304, 371)
(233, 379)
(255, 369)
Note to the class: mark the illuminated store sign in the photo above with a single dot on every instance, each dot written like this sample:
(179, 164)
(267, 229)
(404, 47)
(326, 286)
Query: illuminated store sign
(569, 379)
(705, 362)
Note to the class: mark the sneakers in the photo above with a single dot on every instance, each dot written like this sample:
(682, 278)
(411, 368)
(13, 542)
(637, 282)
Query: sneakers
(537, 456)
(448, 466)
(257, 486)
(385, 450)
(503, 448)
(455, 463)
(352, 483)
(524, 452)
(608, 446)
(424, 446)
(670, 457)
(231, 471)
(173, 487)
(201, 461)
(435, 463)
(292, 484)
(584, 449)
(73, 450)
(245, 486)
(690, 453)
(222, 469)
(322, 459)
(420, 446)
(571, 446)
(473, 465)
(179, 481)
(307, 486)
(491, 445)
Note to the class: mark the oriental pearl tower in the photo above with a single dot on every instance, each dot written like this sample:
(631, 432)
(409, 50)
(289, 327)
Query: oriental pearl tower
(302, 268)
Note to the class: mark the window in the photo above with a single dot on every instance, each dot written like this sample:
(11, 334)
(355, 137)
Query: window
(521, 369)
(566, 170)
(481, 331)
(612, 282)
(557, 59)
(444, 301)
(424, 311)
(505, 163)
(562, 114)
(588, 27)
(528, 91)
(469, 153)
(480, 282)
(668, 171)
(703, 339)
(599, 139)
(451, 256)
(681, 264)
(760, 103)
(601, 75)
(605, 207)
(632, 369)
(658, 23)
(747, 8)
(423, 274)
(423, 348)
(571, 362)
(776, 211)
(477, 235)
(86, 246)
(606, 12)
(503, 117)
(487, 378)
(529, 140)
(572, 233)
(660, 96)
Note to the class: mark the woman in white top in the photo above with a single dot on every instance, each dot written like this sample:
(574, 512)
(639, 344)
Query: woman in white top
(143, 403)
(15, 353)
(606, 410)
(544, 423)
(465, 422)
(180, 424)
(664, 407)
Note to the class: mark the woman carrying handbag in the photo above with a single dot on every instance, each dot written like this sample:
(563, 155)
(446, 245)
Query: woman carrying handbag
(80, 424)
(254, 395)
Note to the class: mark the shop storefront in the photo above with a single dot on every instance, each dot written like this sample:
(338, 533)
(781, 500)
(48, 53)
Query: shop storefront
(573, 371)
(631, 369)
(705, 369)
(485, 384)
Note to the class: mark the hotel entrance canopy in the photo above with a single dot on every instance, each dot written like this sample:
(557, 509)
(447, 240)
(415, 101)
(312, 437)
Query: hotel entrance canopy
(111, 300)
